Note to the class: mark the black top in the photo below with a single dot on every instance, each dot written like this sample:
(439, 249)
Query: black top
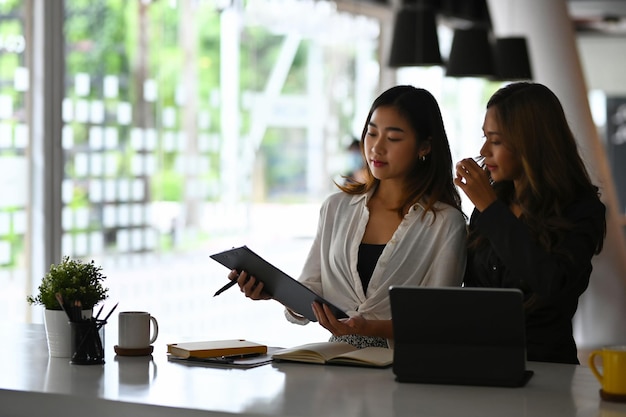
(512, 259)
(368, 257)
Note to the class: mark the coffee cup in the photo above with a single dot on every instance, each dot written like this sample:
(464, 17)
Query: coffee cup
(134, 331)
(612, 375)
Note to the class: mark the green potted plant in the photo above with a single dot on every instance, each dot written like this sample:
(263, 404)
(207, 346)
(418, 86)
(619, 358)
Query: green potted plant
(77, 283)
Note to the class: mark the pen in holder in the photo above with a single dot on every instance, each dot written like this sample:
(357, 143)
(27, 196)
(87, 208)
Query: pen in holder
(87, 341)
(87, 334)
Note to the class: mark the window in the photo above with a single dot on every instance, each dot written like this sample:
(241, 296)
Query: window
(14, 160)
(180, 140)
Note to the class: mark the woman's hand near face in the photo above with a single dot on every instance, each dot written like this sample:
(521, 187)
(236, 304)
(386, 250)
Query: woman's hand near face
(474, 182)
(249, 285)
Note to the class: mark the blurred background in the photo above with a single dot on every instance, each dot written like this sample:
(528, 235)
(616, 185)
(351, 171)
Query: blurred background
(147, 135)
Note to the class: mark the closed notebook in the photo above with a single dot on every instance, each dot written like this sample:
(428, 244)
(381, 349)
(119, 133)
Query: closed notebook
(337, 353)
(234, 362)
(215, 348)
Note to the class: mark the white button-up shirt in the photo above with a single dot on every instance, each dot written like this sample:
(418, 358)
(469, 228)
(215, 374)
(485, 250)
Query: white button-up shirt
(425, 250)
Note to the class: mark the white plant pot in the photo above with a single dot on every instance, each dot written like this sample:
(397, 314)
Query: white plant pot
(58, 333)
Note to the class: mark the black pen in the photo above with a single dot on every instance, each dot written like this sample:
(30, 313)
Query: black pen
(225, 287)
(99, 311)
(109, 315)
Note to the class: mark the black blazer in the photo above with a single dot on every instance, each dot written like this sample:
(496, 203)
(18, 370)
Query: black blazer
(512, 259)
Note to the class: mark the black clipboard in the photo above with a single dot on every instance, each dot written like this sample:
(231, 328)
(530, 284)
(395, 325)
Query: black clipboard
(280, 286)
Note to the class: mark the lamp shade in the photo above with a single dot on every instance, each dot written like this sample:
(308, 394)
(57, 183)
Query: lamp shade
(511, 59)
(470, 54)
(415, 41)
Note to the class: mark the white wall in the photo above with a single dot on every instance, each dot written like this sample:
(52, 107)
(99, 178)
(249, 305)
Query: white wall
(604, 63)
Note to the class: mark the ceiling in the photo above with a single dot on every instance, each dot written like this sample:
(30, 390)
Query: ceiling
(589, 17)
(599, 17)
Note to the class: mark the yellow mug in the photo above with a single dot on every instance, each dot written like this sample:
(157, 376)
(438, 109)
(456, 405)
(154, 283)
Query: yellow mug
(613, 376)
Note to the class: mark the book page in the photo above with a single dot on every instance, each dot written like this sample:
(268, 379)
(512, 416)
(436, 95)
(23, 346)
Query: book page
(314, 352)
(371, 356)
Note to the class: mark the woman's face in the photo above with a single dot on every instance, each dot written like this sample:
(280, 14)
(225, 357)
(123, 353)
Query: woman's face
(500, 160)
(390, 145)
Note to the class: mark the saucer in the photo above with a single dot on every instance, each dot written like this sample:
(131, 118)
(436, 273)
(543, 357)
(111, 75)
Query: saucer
(612, 397)
(133, 352)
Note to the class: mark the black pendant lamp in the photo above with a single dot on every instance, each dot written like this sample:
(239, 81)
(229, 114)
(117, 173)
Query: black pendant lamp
(511, 59)
(470, 54)
(415, 41)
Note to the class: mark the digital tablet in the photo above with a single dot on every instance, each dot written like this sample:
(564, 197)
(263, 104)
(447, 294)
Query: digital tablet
(473, 336)
(280, 286)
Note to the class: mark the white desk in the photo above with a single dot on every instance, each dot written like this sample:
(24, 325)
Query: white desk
(31, 384)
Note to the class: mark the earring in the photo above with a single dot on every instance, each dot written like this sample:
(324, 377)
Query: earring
(423, 158)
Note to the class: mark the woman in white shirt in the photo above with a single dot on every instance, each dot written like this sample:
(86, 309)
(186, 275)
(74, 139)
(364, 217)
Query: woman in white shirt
(402, 226)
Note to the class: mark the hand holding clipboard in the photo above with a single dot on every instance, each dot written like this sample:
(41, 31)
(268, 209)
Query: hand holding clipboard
(277, 284)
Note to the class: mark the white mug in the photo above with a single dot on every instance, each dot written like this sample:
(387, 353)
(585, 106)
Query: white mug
(134, 329)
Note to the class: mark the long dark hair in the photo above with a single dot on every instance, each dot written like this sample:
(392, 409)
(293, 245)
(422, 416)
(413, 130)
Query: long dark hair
(533, 125)
(431, 179)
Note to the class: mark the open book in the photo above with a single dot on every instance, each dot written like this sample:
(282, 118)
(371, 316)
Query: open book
(337, 353)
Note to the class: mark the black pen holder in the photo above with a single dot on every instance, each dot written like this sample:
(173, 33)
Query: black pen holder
(87, 342)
